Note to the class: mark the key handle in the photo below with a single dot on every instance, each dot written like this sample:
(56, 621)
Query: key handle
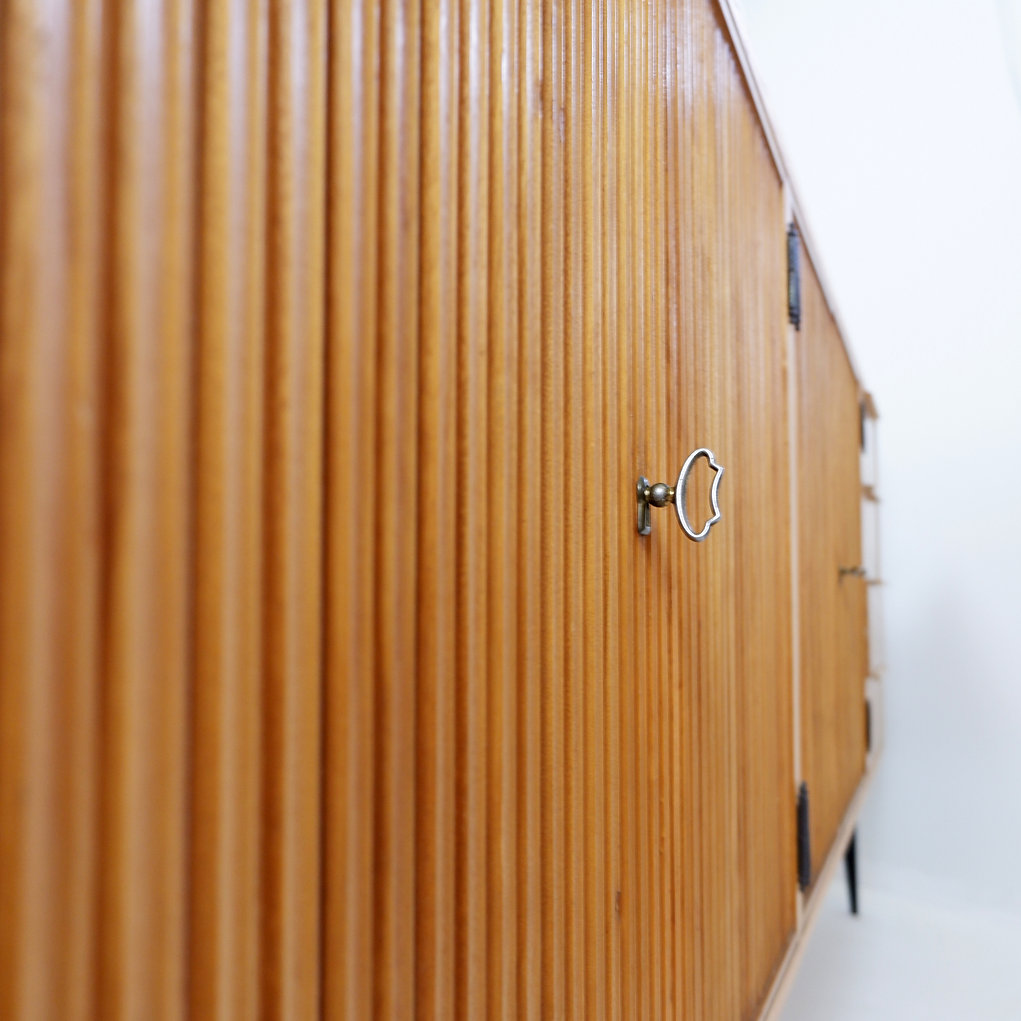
(660, 494)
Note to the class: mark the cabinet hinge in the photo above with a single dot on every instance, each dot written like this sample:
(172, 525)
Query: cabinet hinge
(804, 845)
(794, 276)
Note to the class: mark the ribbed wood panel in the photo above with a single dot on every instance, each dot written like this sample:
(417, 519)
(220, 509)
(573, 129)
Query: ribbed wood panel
(735, 679)
(144, 500)
(225, 852)
(602, 794)
(834, 651)
(162, 190)
(334, 677)
(35, 429)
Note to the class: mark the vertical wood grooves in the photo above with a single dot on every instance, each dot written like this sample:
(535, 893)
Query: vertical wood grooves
(504, 956)
(628, 460)
(336, 679)
(394, 640)
(229, 564)
(665, 456)
(535, 939)
(671, 426)
(172, 656)
(146, 436)
(33, 55)
(638, 829)
(435, 877)
(472, 522)
(565, 123)
(292, 504)
(605, 102)
(351, 468)
(556, 865)
(76, 887)
(593, 680)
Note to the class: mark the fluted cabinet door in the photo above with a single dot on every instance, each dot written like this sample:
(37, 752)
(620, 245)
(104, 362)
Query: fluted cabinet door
(556, 255)
(833, 582)
(162, 301)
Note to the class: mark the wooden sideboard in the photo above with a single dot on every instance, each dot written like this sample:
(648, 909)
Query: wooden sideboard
(335, 676)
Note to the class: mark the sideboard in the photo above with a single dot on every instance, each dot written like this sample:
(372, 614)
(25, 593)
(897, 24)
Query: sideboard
(438, 558)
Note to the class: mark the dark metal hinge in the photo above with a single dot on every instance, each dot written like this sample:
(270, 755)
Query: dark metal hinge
(794, 276)
(804, 845)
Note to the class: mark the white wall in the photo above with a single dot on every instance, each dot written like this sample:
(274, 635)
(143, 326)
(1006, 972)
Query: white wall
(903, 134)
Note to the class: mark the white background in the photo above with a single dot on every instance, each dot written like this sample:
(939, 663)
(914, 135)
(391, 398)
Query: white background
(901, 126)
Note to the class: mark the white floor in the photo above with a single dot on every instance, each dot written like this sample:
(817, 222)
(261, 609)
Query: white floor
(913, 952)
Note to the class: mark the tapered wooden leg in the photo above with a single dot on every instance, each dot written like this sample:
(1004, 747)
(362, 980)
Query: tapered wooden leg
(851, 871)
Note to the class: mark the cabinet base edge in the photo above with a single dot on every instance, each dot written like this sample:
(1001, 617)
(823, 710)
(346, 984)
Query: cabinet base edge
(784, 980)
